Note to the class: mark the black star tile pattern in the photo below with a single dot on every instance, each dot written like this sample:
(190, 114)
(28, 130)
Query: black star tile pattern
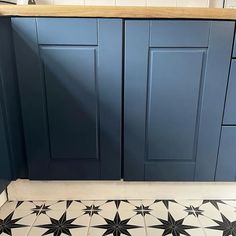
(226, 226)
(117, 225)
(91, 210)
(218, 217)
(142, 210)
(191, 210)
(173, 227)
(61, 226)
(7, 224)
(40, 209)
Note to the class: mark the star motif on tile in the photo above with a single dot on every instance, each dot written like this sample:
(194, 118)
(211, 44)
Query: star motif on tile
(40, 209)
(213, 202)
(173, 227)
(165, 202)
(142, 210)
(189, 210)
(91, 210)
(228, 227)
(61, 226)
(193, 211)
(7, 224)
(117, 226)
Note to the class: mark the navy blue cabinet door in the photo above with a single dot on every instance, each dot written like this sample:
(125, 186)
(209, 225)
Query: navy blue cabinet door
(175, 82)
(70, 82)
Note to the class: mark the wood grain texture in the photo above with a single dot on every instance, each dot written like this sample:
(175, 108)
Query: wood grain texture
(118, 12)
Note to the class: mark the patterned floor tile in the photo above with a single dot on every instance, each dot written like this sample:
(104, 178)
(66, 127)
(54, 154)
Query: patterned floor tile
(61, 222)
(218, 217)
(20, 205)
(171, 217)
(117, 218)
(230, 202)
(75, 205)
(16, 218)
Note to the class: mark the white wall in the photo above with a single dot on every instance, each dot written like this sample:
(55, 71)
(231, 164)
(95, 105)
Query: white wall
(230, 3)
(179, 3)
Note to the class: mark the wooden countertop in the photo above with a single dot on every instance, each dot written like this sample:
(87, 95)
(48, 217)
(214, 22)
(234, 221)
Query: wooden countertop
(118, 12)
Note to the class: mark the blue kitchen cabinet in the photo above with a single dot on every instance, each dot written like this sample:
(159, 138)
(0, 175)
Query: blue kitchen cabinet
(5, 170)
(174, 88)
(226, 167)
(70, 79)
(12, 156)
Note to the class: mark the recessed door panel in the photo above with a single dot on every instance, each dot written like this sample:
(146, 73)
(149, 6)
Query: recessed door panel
(174, 88)
(70, 82)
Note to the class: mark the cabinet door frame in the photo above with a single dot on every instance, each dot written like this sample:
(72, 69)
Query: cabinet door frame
(137, 43)
(32, 89)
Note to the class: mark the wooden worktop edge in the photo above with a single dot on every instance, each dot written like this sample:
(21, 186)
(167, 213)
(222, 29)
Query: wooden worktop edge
(118, 12)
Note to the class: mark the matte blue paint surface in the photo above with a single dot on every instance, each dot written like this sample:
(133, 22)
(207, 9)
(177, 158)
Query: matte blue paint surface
(71, 101)
(230, 106)
(175, 82)
(173, 102)
(175, 79)
(70, 84)
(5, 170)
(226, 168)
(77, 31)
(12, 158)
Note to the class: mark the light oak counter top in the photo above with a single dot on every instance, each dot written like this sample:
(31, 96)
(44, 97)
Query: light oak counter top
(118, 12)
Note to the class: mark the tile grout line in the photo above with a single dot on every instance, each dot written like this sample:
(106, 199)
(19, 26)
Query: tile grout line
(144, 219)
(31, 226)
(90, 218)
(202, 228)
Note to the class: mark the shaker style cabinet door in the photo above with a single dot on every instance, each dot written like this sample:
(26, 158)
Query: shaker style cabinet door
(70, 83)
(175, 83)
